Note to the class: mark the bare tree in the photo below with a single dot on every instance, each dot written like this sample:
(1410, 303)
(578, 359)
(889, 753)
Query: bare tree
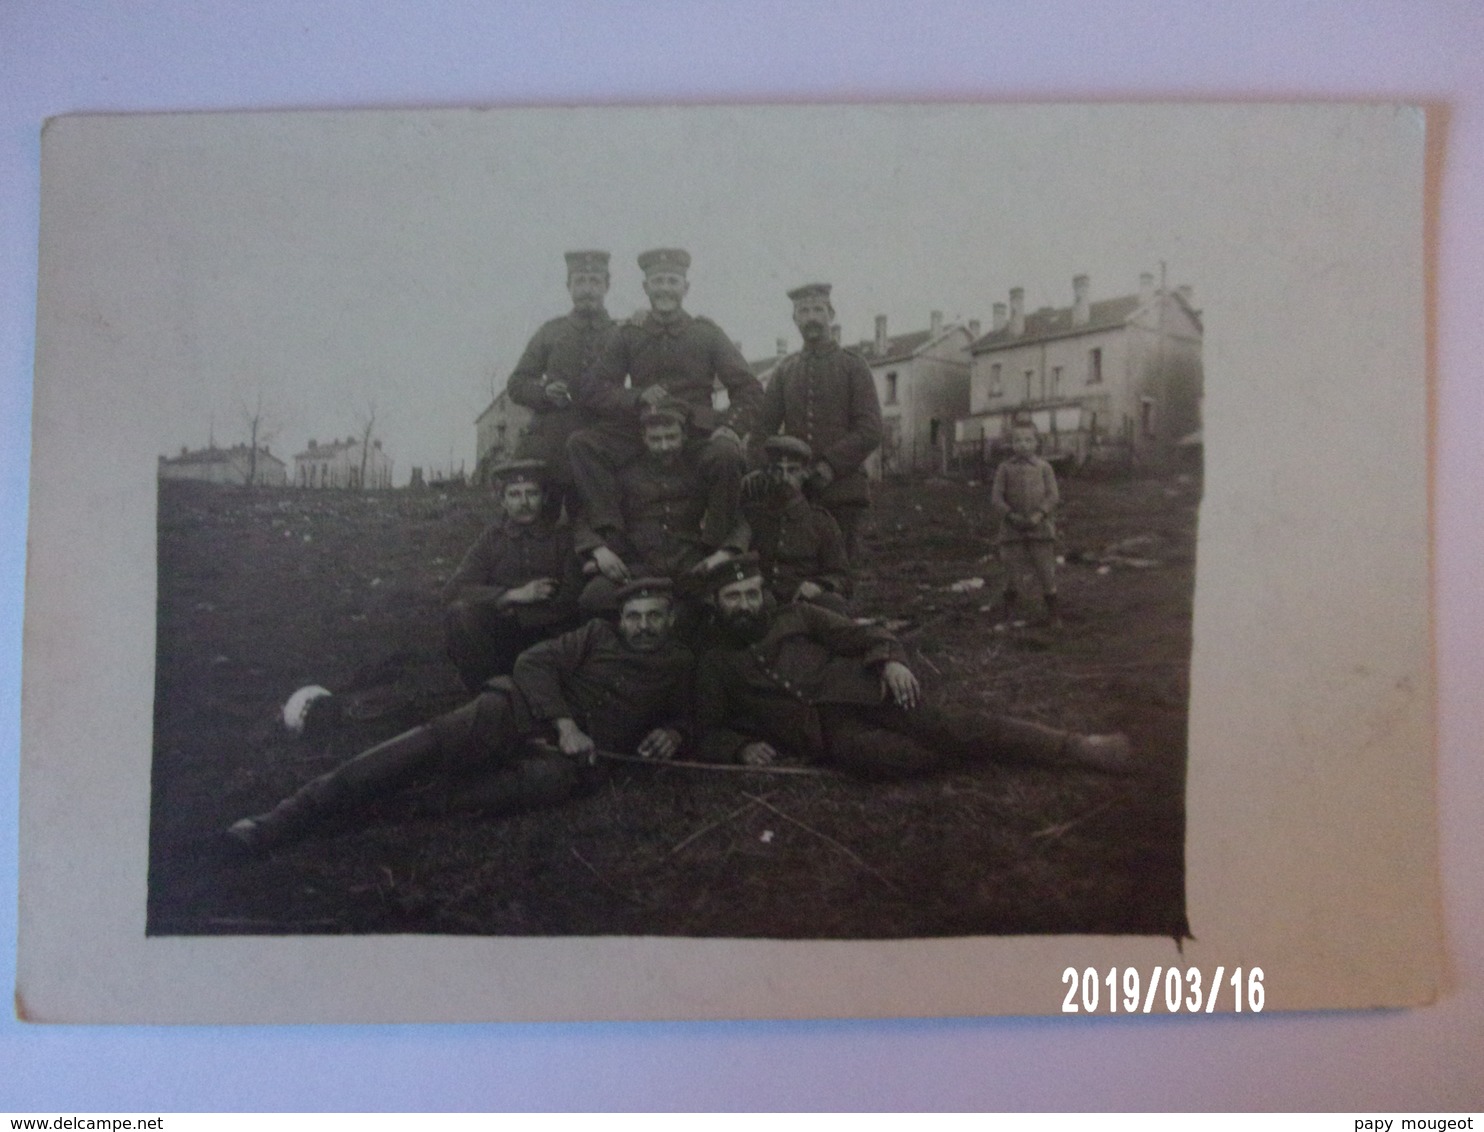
(367, 420)
(262, 427)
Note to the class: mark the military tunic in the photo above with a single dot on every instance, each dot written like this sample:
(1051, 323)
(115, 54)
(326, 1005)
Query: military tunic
(812, 688)
(561, 351)
(824, 395)
(484, 640)
(798, 542)
(683, 353)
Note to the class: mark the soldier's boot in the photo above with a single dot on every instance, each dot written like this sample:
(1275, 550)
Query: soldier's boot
(377, 770)
(1049, 746)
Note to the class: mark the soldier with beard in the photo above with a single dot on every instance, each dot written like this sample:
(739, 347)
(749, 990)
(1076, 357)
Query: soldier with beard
(620, 687)
(666, 354)
(663, 506)
(805, 682)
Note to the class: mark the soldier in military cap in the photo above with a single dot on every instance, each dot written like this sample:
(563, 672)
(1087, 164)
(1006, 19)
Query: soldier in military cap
(518, 584)
(799, 545)
(663, 502)
(802, 681)
(546, 376)
(615, 687)
(666, 354)
(824, 395)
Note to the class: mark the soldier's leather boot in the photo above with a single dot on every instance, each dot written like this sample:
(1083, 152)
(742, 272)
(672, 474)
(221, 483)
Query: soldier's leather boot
(374, 771)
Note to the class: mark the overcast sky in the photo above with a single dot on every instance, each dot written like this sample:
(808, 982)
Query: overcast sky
(335, 261)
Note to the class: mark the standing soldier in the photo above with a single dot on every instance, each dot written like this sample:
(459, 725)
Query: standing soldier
(665, 353)
(545, 378)
(824, 395)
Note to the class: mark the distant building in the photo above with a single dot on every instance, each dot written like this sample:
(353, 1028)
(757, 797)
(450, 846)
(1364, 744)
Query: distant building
(497, 432)
(922, 382)
(236, 465)
(1120, 377)
(339, 464)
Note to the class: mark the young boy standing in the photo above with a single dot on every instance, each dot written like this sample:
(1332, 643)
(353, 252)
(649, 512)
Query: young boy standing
(1024, 497)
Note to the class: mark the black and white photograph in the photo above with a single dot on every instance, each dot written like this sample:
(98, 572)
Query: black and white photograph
(741, 524)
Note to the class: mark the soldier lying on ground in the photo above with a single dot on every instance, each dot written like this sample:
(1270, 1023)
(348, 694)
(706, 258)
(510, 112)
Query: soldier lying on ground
(802, 681)
(799, 546)
(663, 501)
(620, 688)
(517, 585)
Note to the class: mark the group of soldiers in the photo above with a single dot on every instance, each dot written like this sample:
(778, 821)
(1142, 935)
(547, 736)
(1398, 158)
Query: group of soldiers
(646, 592)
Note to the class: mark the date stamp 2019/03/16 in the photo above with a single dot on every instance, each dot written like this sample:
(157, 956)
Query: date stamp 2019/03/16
(1184, 991)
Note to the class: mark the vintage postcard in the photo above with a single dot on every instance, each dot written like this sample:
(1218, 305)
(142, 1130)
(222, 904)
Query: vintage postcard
(729, 562)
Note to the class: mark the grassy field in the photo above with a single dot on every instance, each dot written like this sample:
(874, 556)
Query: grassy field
(261, 592)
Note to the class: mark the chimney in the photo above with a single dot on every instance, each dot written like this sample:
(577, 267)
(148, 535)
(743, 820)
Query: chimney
(184, 450)
(974, 329)
(835, 333)
(1186, 292)
(998, 318)
(1017, 311)
(1146, 287)
(935, 324)
(881, 333)
(782, 347)
(1081, 308)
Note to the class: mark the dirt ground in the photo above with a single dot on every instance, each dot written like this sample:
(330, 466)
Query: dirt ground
(261, 592)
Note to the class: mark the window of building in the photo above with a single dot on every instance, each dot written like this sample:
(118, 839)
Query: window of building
(891, 389)
(1146, 416)
(1030, 378)
(1095, 365)
(1056, 381)
(996, 380)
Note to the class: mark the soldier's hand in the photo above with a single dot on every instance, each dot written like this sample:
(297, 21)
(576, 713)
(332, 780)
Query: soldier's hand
(538, 589)
(822, 475)
(724, 433)
(898, 682)
(653, 395)
(758, 754)
(808, 591)
(661, 743)
(558, 393)
(757, 486)
(610, 565)
(572, 740)
(715, 558)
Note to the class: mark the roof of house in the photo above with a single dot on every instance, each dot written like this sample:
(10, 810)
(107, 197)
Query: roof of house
(1056, 322)
(217, 455)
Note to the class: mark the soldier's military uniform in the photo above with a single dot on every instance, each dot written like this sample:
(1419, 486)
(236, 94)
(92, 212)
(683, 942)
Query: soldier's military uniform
(824, 395)
(483, 638)
(562, 350)
(615, 693)
(812, 687)
(798, 542)
(685, 355)
(662, 508)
